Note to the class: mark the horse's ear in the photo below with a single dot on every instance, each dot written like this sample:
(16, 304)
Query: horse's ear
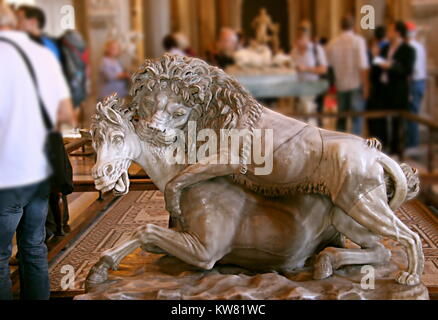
(113, 116)
(99, 107)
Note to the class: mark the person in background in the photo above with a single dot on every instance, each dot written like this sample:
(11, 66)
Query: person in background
(75, 64)
(311, 63)
(32, 20)
(397, 62)
(380, 37)
(347, 55)
(25, 169)
(171, 45)
(417, 84)
(184, 44)
(377, 127)
(114, 79)
(226, 47)
(242, 41)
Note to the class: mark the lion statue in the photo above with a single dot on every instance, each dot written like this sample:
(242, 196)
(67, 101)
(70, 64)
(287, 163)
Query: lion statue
(171, 92)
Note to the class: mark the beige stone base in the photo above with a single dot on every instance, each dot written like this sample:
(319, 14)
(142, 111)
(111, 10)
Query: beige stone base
(145, 276)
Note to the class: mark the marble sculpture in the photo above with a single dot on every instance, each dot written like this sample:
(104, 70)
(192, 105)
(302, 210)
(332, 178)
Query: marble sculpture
(323, 186)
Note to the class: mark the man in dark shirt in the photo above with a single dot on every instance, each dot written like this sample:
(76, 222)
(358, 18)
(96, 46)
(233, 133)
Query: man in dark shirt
(376, 102)
(397, 70)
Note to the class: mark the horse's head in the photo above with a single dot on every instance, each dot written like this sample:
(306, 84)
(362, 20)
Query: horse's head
(116, 144)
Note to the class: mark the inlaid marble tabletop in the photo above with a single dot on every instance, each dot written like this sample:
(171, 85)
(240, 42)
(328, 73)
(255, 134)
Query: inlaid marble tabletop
(276, 83)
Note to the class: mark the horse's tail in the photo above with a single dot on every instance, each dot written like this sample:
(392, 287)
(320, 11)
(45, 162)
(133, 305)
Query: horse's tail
(402, 182)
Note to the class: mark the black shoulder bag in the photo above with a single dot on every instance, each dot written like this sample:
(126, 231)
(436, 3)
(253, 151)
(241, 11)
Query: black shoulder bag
(329, 75)
(62, 179)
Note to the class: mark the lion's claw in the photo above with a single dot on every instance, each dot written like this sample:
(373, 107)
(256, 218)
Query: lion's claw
(408, 279)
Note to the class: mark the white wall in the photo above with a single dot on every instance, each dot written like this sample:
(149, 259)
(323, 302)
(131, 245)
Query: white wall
(52, 9)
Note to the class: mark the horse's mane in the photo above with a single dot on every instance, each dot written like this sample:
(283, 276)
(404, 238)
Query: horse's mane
(111, 113)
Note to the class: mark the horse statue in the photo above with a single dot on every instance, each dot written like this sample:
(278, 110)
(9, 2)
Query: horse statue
(225, 222)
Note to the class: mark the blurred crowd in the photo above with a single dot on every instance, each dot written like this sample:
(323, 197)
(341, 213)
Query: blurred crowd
(69, 50)
(385, 73)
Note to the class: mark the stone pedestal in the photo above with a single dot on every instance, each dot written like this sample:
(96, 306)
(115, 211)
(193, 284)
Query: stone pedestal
(145, 276)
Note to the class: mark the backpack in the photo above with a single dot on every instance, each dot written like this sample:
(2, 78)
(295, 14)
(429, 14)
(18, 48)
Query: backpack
(329, 76)
(74, 57)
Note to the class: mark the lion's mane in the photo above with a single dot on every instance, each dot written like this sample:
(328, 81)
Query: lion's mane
(219, 101)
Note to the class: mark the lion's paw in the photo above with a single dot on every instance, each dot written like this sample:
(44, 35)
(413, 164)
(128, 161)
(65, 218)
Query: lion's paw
(408, 279)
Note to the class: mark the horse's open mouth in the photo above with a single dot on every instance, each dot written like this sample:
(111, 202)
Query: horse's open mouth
(120, 186)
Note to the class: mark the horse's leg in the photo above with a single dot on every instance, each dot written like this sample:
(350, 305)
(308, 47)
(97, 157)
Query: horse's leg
(371, 252)
(111, 259)
(202, 252)
(373, 212)
(187, 247)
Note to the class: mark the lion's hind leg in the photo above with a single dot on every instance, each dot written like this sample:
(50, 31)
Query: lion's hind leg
(373, 212)
(371, 251)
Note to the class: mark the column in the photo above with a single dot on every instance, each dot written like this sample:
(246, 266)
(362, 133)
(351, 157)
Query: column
(81, 16)
(137, 25)
(186, 15)
(294, 19)
(207, 27)
(156, 17)
(328, 16)
(399, 9)
(230, 13)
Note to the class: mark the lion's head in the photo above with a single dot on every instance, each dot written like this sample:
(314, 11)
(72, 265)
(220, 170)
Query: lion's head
(173, 90)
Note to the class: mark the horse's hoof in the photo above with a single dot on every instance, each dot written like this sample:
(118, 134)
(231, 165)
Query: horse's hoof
(323, 267)
(408, 279)
(98, 274)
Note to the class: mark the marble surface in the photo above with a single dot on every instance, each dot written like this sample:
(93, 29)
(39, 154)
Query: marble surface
(144, 276)
(276, 83)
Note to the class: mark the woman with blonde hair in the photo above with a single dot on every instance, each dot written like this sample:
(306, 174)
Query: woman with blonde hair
(114, 78)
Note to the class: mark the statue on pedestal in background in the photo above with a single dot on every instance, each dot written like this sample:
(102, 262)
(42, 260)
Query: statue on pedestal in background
(263, 26)
(264, 51)
(275, 39)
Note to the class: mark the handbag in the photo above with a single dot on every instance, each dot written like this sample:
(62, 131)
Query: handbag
(62, 177)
